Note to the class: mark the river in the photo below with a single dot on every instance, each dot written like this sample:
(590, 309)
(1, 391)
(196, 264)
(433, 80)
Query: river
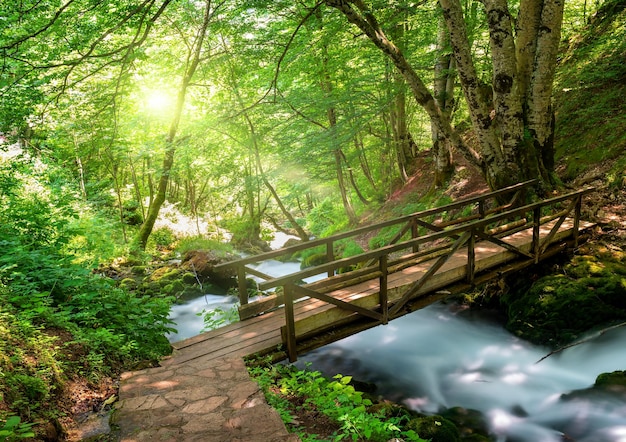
(446, 356)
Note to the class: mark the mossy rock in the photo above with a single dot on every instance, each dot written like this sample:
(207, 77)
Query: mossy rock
(313, 260)
(614, 382)
(189, 278)
(614, 378)
(138, 270)
(472, 424)
(191, 292)
(559, 308)
(128, 284)
(150, 288)
(435, 428)
(165, 273)
(173, 288)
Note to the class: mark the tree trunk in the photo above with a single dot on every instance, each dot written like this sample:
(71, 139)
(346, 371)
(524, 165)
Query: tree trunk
(513, 117)
(193, 60)
(444, 97)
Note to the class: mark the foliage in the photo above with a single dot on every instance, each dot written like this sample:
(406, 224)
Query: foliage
(433, 199)
(336, 399)
(591, 80)
(190, 243)
(59, 319)
(13, 429)
(219, 317)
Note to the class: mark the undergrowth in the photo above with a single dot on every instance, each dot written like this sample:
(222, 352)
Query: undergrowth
(59, 320)
(589, 97)
(336, 399)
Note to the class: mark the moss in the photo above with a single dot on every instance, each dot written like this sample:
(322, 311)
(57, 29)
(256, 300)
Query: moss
(591, 292)
(189, 278)
(138, 270)
(128, 283)
(616, 378)
(472, 424)
(435, 428)
(313, 260)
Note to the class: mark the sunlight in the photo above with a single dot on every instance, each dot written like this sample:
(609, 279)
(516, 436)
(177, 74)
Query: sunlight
(158, 101)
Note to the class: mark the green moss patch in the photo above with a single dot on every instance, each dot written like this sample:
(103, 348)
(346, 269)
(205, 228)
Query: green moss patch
(590, 292)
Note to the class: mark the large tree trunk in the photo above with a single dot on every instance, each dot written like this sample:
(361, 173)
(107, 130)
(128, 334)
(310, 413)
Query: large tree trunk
(444, 97)
(512, 117)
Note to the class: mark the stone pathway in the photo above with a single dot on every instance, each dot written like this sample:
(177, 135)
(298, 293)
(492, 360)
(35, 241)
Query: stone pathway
(215, 401)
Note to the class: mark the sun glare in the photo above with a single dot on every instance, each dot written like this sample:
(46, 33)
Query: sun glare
(158, 101)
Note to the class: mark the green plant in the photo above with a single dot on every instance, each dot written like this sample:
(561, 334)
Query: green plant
(13, 429)
(162, 237)
(219, 317)
(190, 243)
(336, 398)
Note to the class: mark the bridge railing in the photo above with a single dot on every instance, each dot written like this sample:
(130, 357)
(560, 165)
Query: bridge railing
(408, 227)
(549, 214)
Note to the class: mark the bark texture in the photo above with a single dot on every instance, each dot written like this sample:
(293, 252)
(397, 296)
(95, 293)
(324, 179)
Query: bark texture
(512, 116)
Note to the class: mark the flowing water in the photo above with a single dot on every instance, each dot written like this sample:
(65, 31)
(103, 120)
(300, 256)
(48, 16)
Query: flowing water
(444, 356)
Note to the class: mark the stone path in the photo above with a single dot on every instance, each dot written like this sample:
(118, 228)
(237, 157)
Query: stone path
(196, 401)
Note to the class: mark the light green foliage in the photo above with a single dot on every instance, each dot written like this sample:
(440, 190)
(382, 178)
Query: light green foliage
(435, 199)
(219, 317)
(13, 429)
(335, 398)
(590, 85)
(190, 243)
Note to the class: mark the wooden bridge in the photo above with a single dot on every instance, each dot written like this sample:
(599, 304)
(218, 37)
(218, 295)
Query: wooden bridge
(430, 255)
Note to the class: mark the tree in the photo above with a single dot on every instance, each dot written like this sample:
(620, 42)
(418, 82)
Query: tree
(193, 58)
(514, 120)
(443, 93)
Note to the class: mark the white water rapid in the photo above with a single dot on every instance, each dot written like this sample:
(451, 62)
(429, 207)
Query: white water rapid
(442, 356)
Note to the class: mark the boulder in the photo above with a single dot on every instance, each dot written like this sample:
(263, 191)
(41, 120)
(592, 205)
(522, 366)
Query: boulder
(203, 263)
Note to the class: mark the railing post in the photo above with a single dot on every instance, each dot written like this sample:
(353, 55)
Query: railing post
(242, 284)
(330, 256)
(382, 284)
(471, 257)
(290, 324)
(536, 243)
(577, 210)
(481, 209)
(414, 234)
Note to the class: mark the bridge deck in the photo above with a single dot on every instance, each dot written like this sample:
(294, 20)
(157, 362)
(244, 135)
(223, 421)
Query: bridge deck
(262, 334)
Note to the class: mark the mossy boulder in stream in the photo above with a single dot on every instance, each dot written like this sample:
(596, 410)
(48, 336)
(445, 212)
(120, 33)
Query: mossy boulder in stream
(607, 385)
(202, 263)
(589, 293)
(435, 428)
(615, 382)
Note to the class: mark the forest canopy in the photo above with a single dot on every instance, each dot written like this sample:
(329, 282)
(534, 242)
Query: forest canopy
(263, 113)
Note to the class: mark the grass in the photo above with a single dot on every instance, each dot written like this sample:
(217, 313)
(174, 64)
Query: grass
(589, 96)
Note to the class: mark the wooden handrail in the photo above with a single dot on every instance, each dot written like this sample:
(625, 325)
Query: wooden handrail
(337, 237)
(386, 250)
(466, 234)
(413, 221)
